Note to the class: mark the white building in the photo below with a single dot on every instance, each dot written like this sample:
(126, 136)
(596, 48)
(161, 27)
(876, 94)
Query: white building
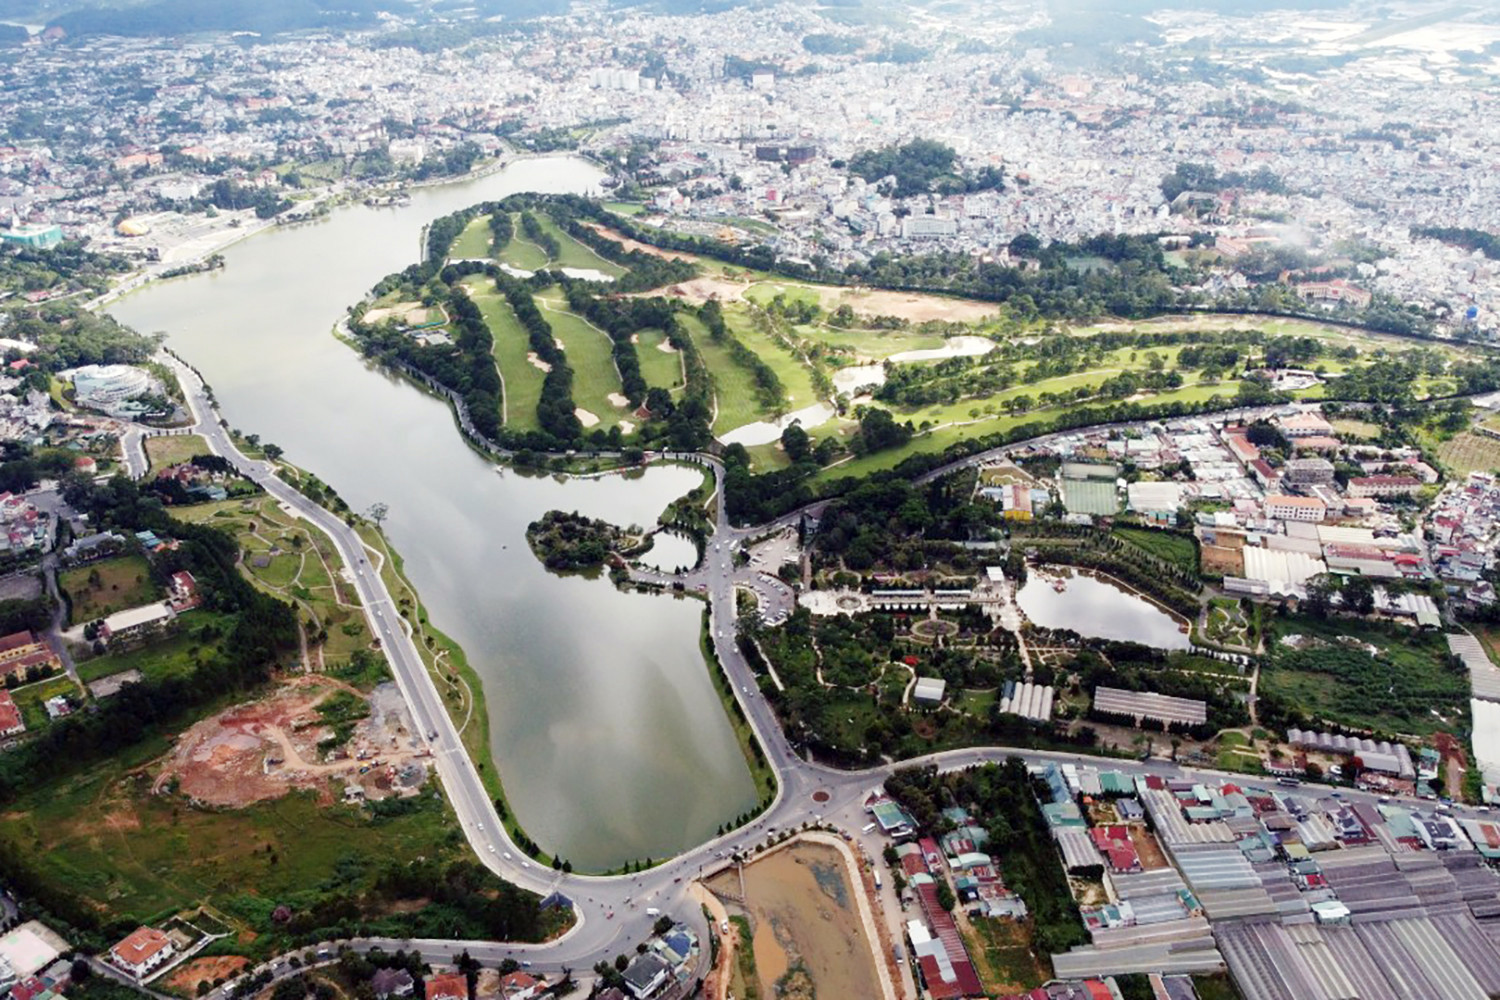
(111, 387)
(1287, 508)
(142, 952)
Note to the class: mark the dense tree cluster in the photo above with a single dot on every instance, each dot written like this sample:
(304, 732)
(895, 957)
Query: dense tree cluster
(570, 541)
(922, 166)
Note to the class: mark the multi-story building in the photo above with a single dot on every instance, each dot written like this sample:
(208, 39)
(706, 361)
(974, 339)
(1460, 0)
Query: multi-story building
(143, 951)
(1384, 486)
(1288, 508)
(1308, 472)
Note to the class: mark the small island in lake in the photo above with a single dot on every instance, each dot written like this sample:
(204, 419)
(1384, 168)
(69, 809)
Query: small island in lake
(567, 542)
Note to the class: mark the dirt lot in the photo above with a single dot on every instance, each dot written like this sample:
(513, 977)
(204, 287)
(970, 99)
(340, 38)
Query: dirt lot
(630, 244)
(262, 749)
(402, 312)
(806, 920)
(187, 976)
(1152, 858)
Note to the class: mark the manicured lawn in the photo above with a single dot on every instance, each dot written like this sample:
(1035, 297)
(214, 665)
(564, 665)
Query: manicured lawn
(174, 449)
(869, 344)
(474, 241)
(588, 352)
(176, 656)
(102, 588)
(659, 367)
(571, 253)
(521, 252)
(794, 375)
(734, 386)
(302, 573)
(625, 207)
(523, 380)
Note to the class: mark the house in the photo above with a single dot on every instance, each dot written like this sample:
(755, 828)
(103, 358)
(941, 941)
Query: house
(391, 983)
(647, 974)
(143, 951)
(453, 986)
(184, 592)
(521, 986)
(10, 715)
(1308, 471)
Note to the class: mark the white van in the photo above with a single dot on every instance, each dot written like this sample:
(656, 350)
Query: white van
(652, 911)
(869, 827)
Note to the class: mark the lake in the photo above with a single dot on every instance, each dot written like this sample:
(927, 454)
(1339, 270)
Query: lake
(604, 722)
(1098, 608)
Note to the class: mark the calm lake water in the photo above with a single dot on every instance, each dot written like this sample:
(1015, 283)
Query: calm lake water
(670, 552)
(604, 722)
(1097, 608)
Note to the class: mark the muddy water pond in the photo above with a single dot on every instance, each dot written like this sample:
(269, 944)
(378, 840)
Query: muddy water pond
(807, 925)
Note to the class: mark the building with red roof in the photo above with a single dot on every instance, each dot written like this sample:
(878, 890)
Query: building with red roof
(10, 715)
(143, 950)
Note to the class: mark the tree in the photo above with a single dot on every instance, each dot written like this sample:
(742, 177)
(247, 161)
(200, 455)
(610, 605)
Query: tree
(378, 512)
(273, 451)
(621, 962)
(662, 925)
(795, 442)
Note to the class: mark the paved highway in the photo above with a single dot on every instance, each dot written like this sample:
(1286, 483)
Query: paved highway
(611, 909)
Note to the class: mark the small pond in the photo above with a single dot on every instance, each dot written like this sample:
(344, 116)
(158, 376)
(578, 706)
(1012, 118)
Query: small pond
(1060, 597)
(670, 552)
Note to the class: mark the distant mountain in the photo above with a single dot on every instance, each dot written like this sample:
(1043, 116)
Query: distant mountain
(180, 17)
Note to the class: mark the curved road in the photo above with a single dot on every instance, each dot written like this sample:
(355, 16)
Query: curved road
(611, 909)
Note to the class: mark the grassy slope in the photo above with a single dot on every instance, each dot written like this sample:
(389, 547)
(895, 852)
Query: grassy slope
(124, 582)
(521, 252)
(523, 380)
(588, 351)
(571, 253)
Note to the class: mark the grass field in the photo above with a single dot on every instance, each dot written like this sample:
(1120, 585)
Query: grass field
(571, 253)
(103, 588)
(1004, 956)
(794, 375)
(304, 572)
(1363, 429)
(521, 252)
(174, 449)
(734, 387)
(1174, 549)
(176, 656)
(104, 837)
(475, 241)
(1468, 452)
(31, 697)
(588, 351)
(1406, 687)
(523, 380)
(657, 366)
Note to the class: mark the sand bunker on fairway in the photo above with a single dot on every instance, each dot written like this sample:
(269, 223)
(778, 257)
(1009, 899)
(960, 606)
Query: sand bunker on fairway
(626, 427)
(585, 418)
(666, 347)
(537, 362)
(618, 400)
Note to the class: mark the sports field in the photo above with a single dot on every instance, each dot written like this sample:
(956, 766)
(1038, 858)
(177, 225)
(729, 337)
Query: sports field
(474, 242)
(658, 367)
(523, 380)
(595, 380)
